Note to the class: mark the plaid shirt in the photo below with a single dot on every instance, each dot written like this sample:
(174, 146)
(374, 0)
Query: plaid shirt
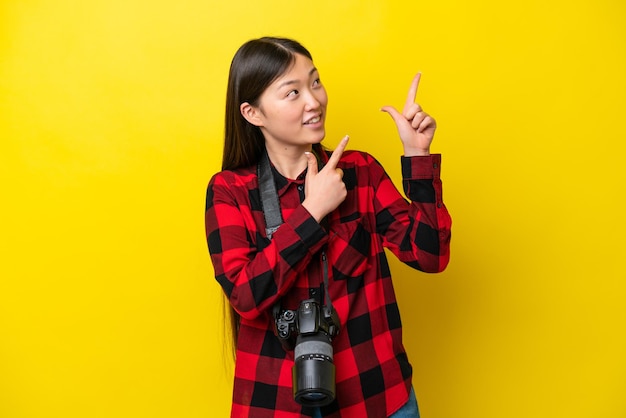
(373, 374)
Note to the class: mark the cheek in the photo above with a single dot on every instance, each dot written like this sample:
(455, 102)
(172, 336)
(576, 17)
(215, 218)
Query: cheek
(281, 114)
(285, 119)
(323, 98)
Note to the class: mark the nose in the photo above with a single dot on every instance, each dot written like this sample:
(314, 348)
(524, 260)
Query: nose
(312, 101)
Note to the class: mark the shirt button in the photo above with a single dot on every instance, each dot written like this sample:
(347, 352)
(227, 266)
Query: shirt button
(435, 165)
(300, 187)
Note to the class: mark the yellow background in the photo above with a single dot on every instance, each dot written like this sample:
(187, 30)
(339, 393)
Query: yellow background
(111, 118)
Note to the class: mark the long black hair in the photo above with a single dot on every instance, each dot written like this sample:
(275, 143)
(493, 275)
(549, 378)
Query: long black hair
(256, 65)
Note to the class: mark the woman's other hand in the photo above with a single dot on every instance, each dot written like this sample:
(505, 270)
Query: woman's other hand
(416, 127)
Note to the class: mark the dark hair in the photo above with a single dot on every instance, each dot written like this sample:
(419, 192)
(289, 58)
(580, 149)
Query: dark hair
(257, 64)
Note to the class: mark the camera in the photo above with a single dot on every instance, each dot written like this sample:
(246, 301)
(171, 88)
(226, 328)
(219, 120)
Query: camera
(309, 331)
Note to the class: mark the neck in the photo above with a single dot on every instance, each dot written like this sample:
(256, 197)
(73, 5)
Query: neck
(289, 161)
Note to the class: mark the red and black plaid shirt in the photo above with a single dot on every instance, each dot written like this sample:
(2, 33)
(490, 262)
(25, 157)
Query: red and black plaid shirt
(373, 374)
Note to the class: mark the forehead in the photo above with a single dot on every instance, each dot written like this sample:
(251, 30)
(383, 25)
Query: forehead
(301, 68)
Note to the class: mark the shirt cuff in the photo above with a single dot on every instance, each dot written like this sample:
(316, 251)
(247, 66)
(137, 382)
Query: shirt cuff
(421, 167)
(308, 229)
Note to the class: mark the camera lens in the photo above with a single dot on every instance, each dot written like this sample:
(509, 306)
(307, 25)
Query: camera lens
(314, 396)
(313, 371)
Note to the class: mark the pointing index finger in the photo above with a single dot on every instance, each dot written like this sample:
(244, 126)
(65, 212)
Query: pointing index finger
(336, 155)
(410, 99)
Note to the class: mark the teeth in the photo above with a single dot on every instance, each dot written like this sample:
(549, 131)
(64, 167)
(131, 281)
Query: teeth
(314, 120)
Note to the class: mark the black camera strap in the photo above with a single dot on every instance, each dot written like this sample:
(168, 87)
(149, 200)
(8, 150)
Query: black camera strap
(269, 196)
(273, 217)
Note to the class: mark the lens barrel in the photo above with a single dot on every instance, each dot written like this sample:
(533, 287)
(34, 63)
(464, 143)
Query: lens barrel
(313, 372)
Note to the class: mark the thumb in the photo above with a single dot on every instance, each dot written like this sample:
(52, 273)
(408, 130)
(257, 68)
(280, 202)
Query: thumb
(311, 163)
(395, 115)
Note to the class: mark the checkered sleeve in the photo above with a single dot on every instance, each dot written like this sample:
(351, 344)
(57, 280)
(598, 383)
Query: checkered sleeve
(253, 271)
(416, 231)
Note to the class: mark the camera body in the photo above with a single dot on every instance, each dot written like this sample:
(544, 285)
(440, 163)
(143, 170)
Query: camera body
(309, 331)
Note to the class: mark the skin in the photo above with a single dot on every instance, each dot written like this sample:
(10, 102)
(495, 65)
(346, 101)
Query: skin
(287, 114)
(415, 127)
(291, 114)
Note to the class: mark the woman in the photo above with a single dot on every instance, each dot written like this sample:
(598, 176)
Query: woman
(337, 212)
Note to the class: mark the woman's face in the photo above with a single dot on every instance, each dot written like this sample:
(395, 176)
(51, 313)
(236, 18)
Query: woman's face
(292, 110)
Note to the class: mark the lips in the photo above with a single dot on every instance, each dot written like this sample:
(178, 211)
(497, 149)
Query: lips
(314, 119)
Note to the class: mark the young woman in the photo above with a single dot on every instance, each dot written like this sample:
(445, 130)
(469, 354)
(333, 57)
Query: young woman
(338, 211)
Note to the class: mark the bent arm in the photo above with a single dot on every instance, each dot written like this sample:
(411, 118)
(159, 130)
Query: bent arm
(253, 271)
(416, 231)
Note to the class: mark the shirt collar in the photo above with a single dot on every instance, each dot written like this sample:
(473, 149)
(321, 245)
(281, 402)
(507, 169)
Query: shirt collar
(282, 182)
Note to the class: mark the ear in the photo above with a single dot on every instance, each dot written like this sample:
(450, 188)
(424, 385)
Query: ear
(251, 114)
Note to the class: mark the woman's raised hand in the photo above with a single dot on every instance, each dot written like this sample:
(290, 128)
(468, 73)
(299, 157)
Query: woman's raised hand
(416, 127)
(324, 190)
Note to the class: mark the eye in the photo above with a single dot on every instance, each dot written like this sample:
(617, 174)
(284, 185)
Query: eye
(293, 93)
(317, 82)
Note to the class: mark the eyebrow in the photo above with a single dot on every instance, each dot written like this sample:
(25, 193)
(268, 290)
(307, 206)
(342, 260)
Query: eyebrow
(288, 82)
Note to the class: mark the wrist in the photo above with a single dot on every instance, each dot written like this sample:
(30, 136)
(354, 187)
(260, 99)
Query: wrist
(313, 211)
(416, 152)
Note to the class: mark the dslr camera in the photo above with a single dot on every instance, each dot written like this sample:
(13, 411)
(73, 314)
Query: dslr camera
(309, 331)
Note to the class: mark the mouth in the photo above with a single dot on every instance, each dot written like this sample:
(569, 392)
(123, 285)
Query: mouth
(313, 120)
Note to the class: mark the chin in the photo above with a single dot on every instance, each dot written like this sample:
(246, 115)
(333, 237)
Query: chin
(319, 137)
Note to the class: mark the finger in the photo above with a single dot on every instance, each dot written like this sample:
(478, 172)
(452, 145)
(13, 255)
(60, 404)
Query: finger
(428, 122)
(311, 164)
(410, 98)
(336, 155)
(395, 115)
(418, 119)
(412, 110)
(339, 171)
